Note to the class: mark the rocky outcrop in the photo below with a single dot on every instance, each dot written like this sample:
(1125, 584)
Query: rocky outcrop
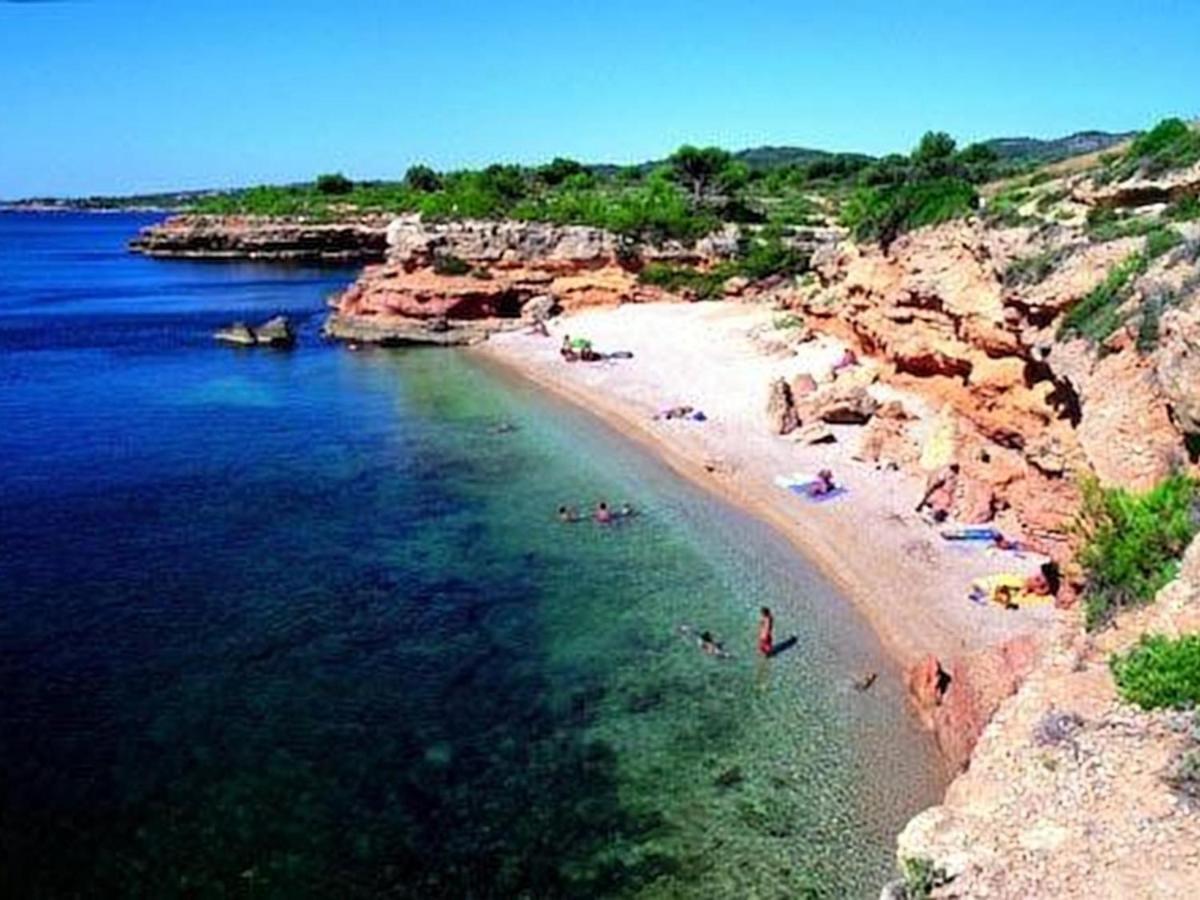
(358, 239)
(1070, 792)
(1143, 190)
(942, 310)
(956, 700)
(473, 277)
(275, 332)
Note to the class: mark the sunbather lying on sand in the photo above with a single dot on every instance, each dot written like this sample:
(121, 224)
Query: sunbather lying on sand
(823, 485)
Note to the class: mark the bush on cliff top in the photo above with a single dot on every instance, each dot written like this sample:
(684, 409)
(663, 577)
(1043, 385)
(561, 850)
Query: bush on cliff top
(1160, 672)
(1132, 543)
(1171, 144)
(932, 185)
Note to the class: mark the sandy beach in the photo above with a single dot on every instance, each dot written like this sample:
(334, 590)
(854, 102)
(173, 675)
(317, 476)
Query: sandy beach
(720, 358)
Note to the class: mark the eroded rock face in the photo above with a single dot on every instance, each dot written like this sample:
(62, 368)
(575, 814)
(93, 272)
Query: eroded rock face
(361, 239)
(1032, 411)
(957, 699)
(1068, 779)
(481, 276)
(1178, 367)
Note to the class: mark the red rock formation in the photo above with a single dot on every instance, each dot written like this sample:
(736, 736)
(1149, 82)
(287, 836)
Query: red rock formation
(476, 276)
(956, 700)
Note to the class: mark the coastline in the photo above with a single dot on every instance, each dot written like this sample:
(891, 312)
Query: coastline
(915, 601)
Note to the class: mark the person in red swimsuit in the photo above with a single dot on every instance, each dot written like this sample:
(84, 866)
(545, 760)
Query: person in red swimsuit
(766, 632)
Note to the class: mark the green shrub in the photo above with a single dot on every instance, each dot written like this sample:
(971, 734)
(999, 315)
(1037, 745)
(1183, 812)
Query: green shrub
(1148, 324)
(1030, 270)
(1131, 542)
(883, 213)
(675, 279)
(449, 264)
(1186, 209)
(921, 877)
(336, 183)
(1097, 315)
(1160, 240)
(422, 178)
(768, 254)
(1171, 144)
(1160, 672)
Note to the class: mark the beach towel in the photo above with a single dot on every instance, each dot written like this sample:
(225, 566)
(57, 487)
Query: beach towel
(802, 491)
(971, 533)
(801, 478)
(989, 588)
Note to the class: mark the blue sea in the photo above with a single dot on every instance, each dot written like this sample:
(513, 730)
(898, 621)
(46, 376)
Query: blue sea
(304, 623)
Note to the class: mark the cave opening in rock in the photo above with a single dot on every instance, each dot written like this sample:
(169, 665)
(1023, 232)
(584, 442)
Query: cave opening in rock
(508, 305)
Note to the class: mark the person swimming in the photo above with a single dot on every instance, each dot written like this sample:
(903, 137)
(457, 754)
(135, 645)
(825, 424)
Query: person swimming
(603, 514)
(568, 514)
(711, 646)
(626, 511)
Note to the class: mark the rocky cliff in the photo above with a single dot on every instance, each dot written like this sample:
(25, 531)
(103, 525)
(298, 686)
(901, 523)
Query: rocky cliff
(1070, 793)
(359, 239)
(454, 282)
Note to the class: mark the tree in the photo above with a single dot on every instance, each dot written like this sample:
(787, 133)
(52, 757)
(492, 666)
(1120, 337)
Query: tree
(422, 178)
(934, 156)
(697, 167)
(559, 170)
(733, 177)
(507, 182)
(335, 183)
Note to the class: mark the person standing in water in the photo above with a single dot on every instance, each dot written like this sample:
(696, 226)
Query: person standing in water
(766, 632)
(603, 514)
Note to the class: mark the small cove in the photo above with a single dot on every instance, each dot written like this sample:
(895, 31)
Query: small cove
(304, 624)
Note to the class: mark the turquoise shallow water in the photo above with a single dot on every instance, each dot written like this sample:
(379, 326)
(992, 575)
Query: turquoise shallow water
(304, 624)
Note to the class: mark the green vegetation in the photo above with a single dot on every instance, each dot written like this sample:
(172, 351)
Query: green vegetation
(678, 279)
(1160, 240)
(934, 184)
(760, 256)
(1160, 672)
(1148, 322)
(1171, 144)
(921, 877)
(1097, 315)
(1031, 270)
(336, 184)
(1132, 543)
(1184, 210)
(448, 264)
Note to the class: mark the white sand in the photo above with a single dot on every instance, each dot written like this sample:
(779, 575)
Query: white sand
(909, 583)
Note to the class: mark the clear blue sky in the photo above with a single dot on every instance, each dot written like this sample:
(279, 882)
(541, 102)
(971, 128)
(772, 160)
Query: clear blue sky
(110, 96)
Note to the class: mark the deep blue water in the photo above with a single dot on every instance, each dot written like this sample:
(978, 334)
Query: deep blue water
(288, 624)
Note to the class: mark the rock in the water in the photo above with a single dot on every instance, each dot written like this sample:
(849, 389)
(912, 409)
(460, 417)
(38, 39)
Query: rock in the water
(275, 332)
(238, 333)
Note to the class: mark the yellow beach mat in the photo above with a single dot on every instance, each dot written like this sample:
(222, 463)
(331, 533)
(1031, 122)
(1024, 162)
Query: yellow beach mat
(991, 588)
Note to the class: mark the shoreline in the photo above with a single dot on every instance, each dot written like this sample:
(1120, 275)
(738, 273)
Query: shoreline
(916, 607)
